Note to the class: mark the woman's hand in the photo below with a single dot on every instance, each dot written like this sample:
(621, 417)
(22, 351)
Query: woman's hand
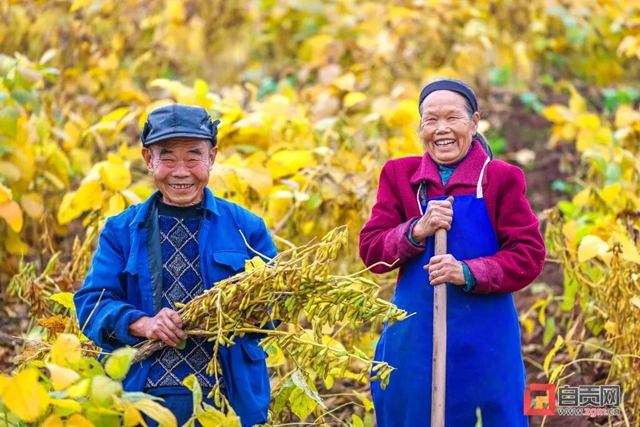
(439, 214)
(445, 269)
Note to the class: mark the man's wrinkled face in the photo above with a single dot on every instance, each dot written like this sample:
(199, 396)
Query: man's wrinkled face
(181, 168)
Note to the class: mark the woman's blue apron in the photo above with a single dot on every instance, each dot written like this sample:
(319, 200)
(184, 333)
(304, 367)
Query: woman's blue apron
(484, 356)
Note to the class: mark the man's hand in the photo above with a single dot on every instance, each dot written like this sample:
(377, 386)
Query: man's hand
(445, 269)
(165, 326)
(439, 214)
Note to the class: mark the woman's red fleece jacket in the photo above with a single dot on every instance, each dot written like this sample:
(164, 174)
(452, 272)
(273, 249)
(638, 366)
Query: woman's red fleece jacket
(521, 255)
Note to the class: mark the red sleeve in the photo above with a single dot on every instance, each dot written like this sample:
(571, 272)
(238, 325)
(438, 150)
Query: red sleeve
(521, 255)
(384, 237)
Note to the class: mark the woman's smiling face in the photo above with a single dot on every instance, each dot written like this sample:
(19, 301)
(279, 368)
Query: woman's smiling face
(181, 168)
(445, 126)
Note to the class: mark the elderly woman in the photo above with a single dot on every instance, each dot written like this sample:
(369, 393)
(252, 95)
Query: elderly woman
(494, 249)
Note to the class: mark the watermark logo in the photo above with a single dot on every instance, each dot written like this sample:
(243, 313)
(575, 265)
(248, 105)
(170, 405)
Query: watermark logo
(540, 399)
(585, 400)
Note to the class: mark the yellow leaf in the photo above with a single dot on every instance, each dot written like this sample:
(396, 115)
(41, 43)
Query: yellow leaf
(549, 356)
(77, 420)
(66, 213)
(65, 407)
(61, 378)
(14, 244)
(119, 362)
(522, 59)
(591, 246)
(554, 374)
(4, 380)
(346, 82)
(5, 194)
(610, 193)
(611, 327)
(628, 46)
(25, 396)
(12, 213)
(79, 4)
(570, 232)
(557, 113)
(88, 196)
(215, 418)
(104, 390)
(581, 198)
(116, 205)
(132, 417)
(604, 137)
(157, 412)
(353, 98)
(10, 171)
(66, 350)
(115, 176)
(259, 179)
(588, 121)
(65, 299)
(635, 300)
(577, 104)
(585, 141)
(53, 421)
(528, 326)
(276, 356)
(254, 263)
(33, 205)
(403, 115)
(626, 116)
(115, 115)
(81, 389)
(629, 249)
(288, 162)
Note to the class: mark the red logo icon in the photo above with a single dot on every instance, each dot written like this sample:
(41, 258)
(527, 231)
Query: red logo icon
(540, 399)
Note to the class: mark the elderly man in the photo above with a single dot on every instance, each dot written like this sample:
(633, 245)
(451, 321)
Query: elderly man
(167, 250)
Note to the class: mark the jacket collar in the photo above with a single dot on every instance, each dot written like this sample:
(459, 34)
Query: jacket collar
(210, 205)
(466, 173)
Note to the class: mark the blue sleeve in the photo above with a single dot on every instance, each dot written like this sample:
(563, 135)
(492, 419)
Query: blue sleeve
(103, 313)
(470, 281)
(260, 238)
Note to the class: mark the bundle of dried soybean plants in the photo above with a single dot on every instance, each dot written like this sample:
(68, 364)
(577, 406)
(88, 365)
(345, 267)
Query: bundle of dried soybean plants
(296, 282)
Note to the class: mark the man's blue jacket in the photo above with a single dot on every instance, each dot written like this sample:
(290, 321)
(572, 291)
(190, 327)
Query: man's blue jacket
(124, 284)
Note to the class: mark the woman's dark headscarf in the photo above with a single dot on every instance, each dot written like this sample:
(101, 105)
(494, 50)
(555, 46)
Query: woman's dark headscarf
(471, 102)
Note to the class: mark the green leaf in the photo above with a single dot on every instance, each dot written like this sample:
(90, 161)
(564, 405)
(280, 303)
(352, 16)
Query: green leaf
(299, 380)
(90, 367)
(9, 121)
(134, 396)
(301, 404)
(281, 399)
(549, 330)
(103, 390)
(191, 382)
(119, 362)
(570, 291)
(315, 201)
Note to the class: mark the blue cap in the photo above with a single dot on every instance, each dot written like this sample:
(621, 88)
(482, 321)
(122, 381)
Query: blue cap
(179, 121)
